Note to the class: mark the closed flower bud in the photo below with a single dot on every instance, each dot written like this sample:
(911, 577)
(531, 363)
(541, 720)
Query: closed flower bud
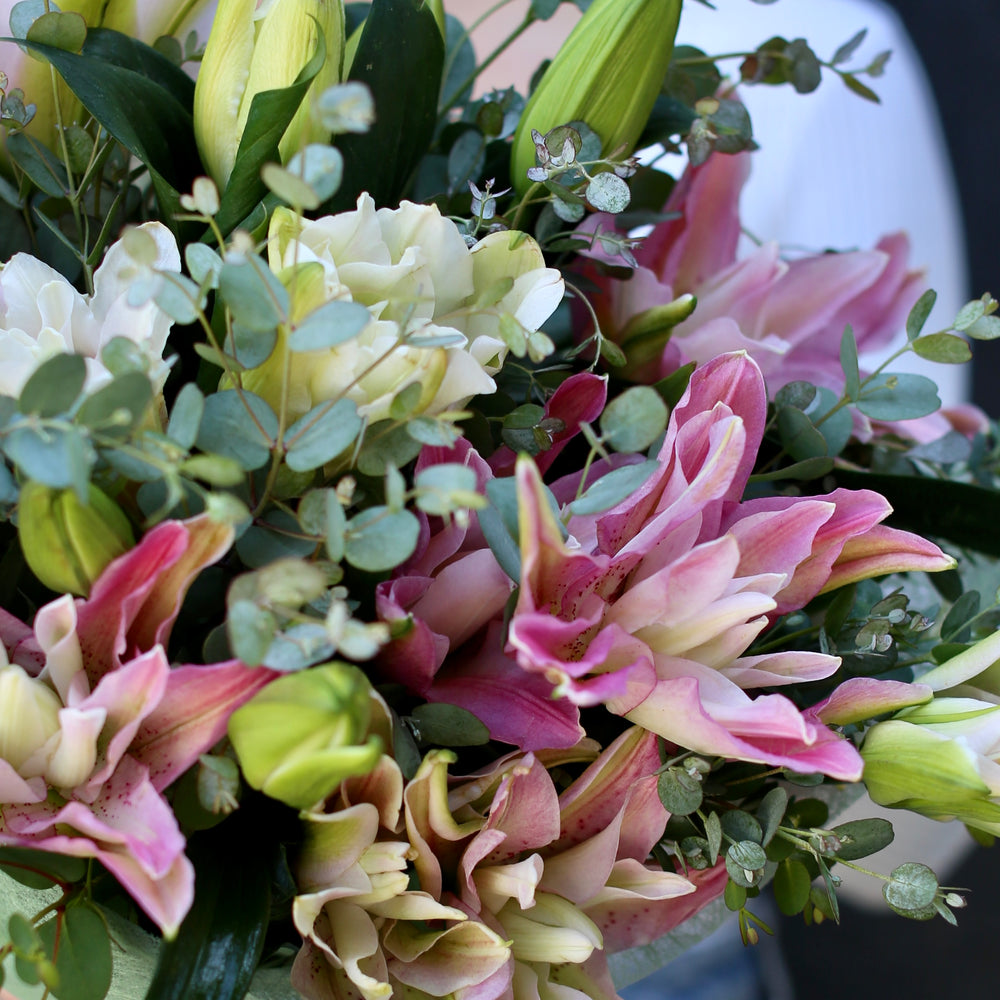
(553, 930)
(67, 543)
(607, 73)
(304, 733)
(29, 715)
(256, 47)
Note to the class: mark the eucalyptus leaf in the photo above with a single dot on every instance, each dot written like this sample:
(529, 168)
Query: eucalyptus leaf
(322, 434)
(239, 425)
(680, 793)
(377, 540)
(252, 293)
(607, 192)
(119, 407)
(321, 514)
(771, 812)
(792, 885)
(331, 324)
(613, 487)
(899, 396)
(251, 348)
(273, 537)
(634, 420)
(911, 888)
(83, 957)
(60, 457)
(54, 386)
(186, 415)
(944, 348)
(918, 314)
(862, 837)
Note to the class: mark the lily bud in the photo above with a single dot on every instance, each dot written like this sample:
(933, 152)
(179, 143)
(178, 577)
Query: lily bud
(68, 544)
(553, 930)
(254, 47)
(608, 73)
(29, 715)
(942, 764)
(304, 733)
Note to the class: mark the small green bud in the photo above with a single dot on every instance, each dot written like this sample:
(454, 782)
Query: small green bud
(67, 543)
(608, 73)
(303, 734)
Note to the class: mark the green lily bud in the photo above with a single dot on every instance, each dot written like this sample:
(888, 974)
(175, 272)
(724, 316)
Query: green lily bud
(67, 543)
(933, 771)
(647, 333)
(252, 49)
(607, 73)
(304, 733)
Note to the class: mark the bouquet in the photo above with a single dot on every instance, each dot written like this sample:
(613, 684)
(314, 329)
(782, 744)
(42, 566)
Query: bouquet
(419, 583)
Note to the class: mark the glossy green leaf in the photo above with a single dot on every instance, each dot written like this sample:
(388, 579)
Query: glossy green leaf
(792, 885)
(861, 837)
(448, 726)
(219, 944)
(43, 168)
(400, 52)
(849, 363)
(270, 113)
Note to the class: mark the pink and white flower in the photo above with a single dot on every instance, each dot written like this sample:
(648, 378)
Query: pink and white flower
(110, 723)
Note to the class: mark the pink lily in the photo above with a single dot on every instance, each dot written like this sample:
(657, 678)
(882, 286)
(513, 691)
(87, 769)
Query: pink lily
(789, 316)
(449, 600)
(127, 725)
(652, 615)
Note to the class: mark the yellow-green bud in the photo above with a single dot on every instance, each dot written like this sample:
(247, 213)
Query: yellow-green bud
(252, 49)
(608, 74)
(67, 543)
(29, 715)
(304, 733)
(647, 333)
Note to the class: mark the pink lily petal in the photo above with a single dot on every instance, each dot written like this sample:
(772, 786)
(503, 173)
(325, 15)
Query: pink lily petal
(863, 698)
(192, 715)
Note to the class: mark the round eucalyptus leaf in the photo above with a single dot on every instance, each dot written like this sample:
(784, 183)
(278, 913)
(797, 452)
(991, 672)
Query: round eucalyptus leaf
(378, 540)
(609, 193)
(680, 793)
(238, 425)
(634, 420)
(322, 434)
(912, 887)
(54, 386)
(331, 324)
(792, 885)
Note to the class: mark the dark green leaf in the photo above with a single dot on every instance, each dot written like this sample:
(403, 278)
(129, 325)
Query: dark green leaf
(270, 113)
(847, 50)
(54, 386)
(740, 825)
(219, 944)
(771, 812)
(855, 85)
(448, 726)
(39, 869)
(400, 52)
(861, 837)
(791, 886)
(45, 171)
